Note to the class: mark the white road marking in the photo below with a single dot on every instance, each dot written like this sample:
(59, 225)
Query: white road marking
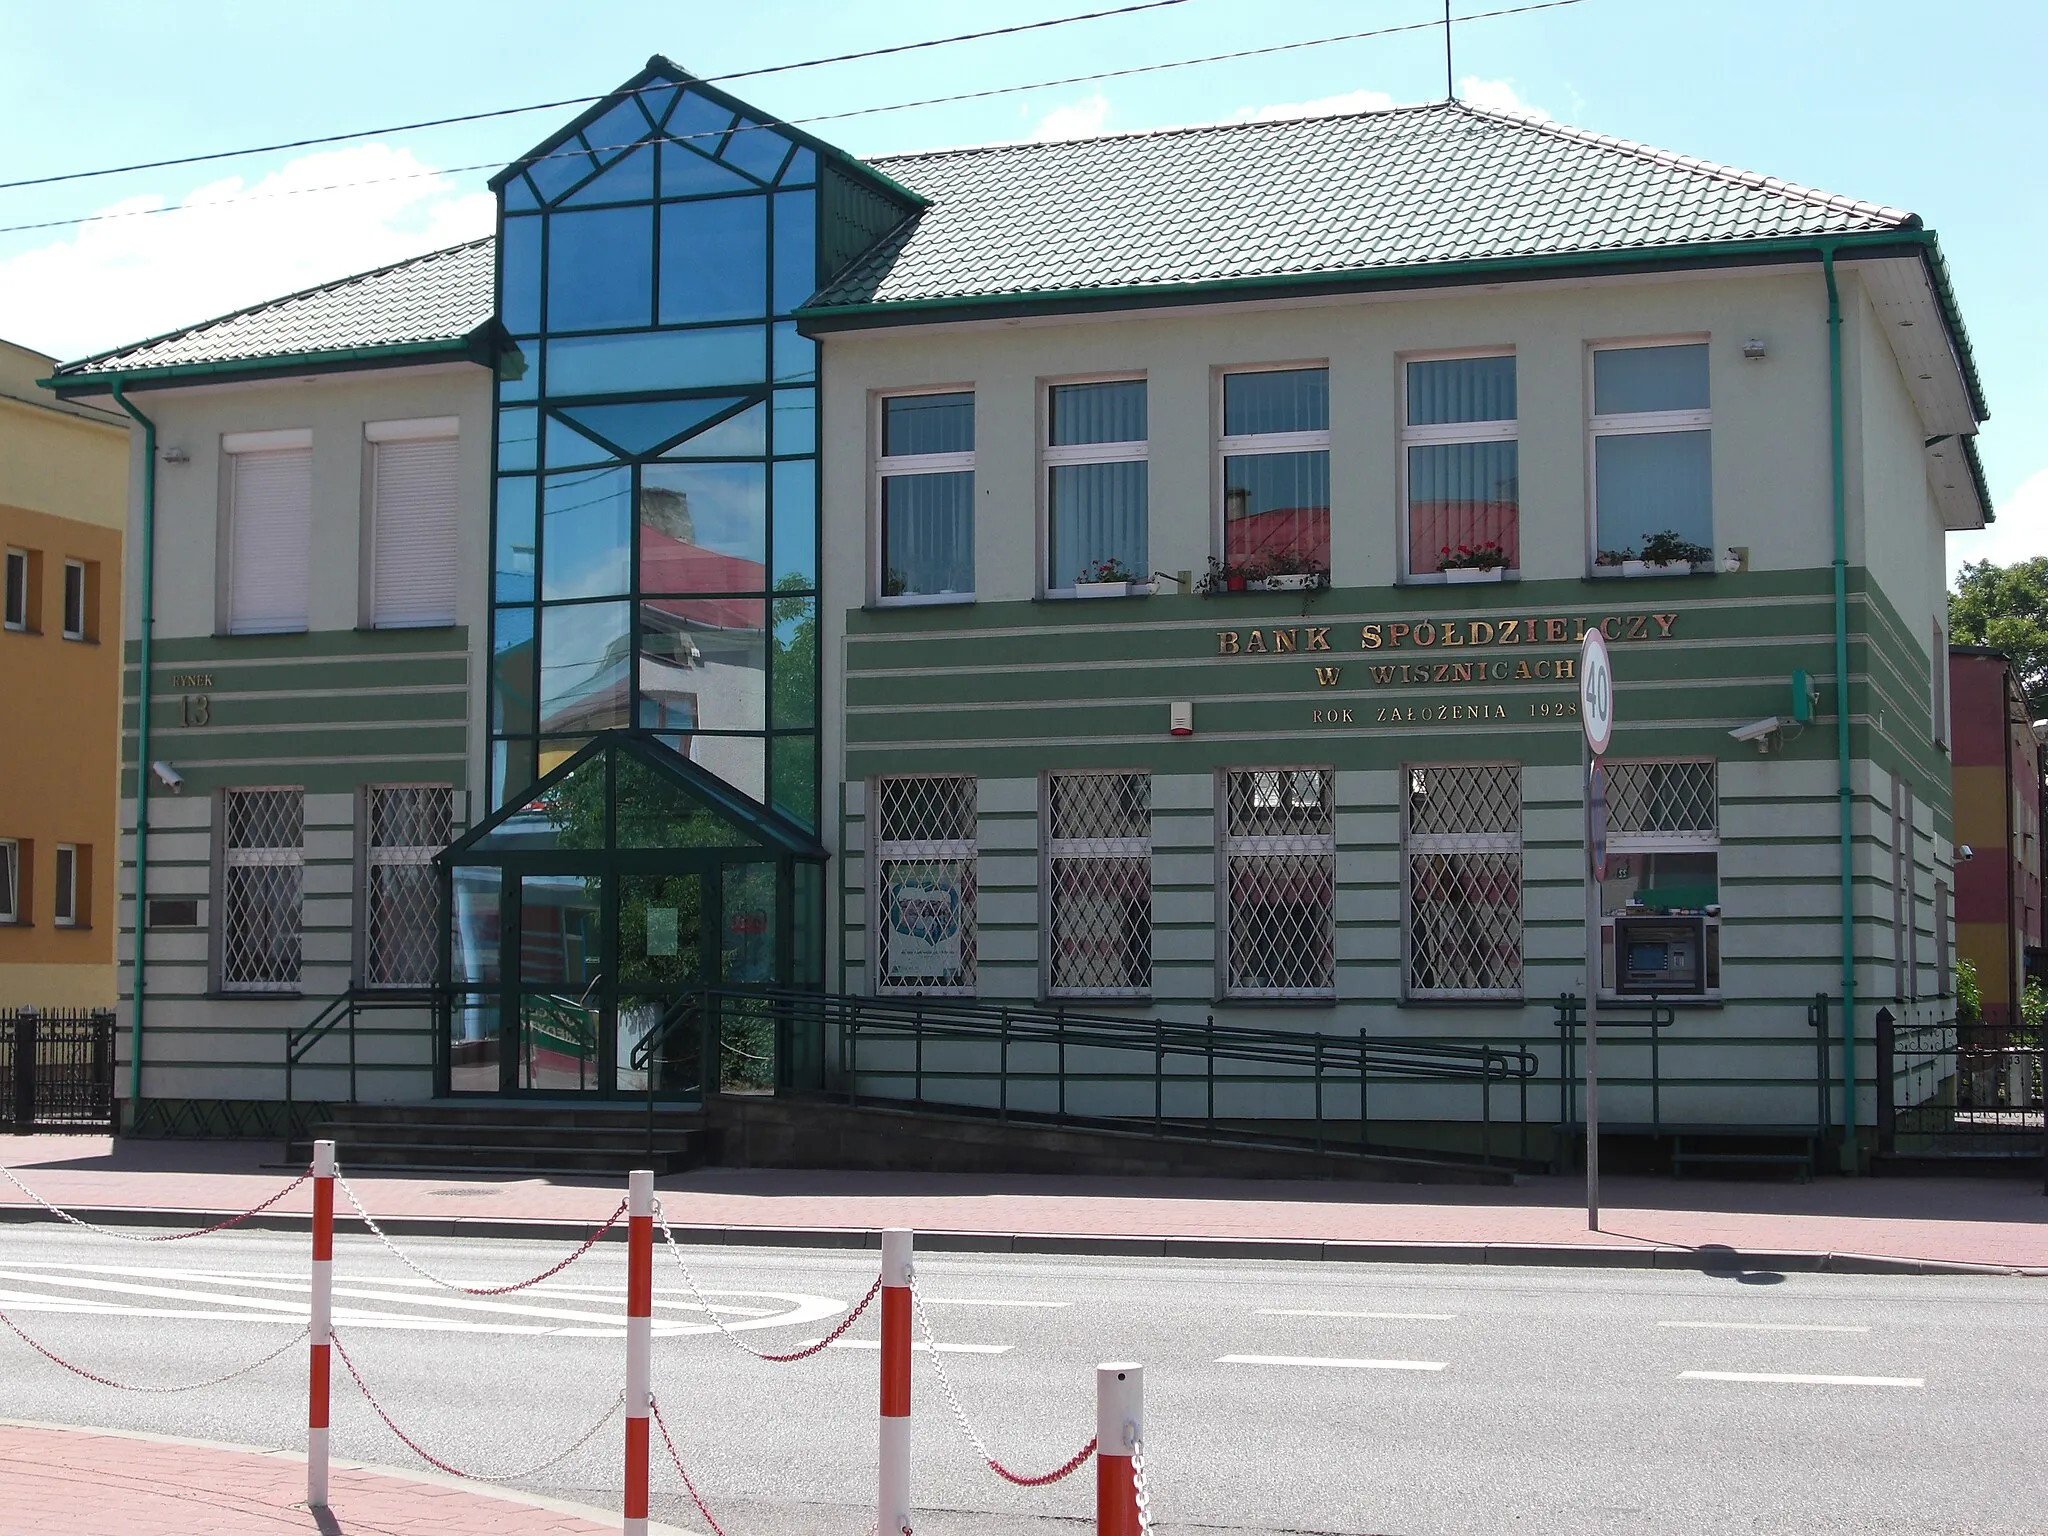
(977, 1301)
(1793, 1379)
(1340, 1364)
(1391, 1317)
(944, 1349)
(1775, 1327)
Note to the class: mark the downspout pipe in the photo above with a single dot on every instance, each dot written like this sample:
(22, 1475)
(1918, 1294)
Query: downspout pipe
(147, 625)
(1838, 491)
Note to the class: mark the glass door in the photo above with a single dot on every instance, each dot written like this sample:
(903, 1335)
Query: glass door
(659, 1030)
(559, 1003)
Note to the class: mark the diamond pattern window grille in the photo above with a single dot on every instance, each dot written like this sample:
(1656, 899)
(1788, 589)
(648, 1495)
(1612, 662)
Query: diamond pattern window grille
(925, 884)
(1099, 884)
(1666, 804)
(1280, 870)
(1462, 845)
(263, 870)
(409, 824)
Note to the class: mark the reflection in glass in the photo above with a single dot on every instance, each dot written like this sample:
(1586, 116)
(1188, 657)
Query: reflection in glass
(583, 670)
(796, 779)
(796, 663)
(630, 180)
(756, 150)
(747, 939)
(1462, 495)
(687, 173)
(519, 273)
(512, 566)
(660, 917)
(519, 194)
(570, 814)
(654, 812)
(644, 425)
(586, 533)
(600, 268)
(714, 259)
(660, 970)
(920, 424)
(796, 522)
(600, 365)
(796, 249)
(1448, 389)
(1276, 504)
(796, 421)
(475, 935)
(561, 962)
(700, 120)
(519, 372)
(1112, 412)
(623, 125)
(1096, 513)
(796, 357)
(744, 435)
(518, 431)
(569, 449)
(475, 1041)
(512, 671)
(927, 534)
(512, 768)
(703, 666)
(560, 169)
(703, 527)
(742, 761)
(802, 167)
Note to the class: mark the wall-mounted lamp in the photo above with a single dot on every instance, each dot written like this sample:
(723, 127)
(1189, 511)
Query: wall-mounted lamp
(175, 456)
(1754, 350)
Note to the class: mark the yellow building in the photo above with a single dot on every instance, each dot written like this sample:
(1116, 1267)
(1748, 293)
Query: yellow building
(63, 504)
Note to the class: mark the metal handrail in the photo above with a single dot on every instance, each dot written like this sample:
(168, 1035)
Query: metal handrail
(345, 1006)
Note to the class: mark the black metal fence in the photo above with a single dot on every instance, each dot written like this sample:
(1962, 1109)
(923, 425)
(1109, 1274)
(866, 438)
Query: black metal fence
(1960, 1090)
(57, 1070)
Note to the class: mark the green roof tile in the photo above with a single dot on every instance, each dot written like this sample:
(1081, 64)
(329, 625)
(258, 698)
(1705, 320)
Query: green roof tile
(1409, 186)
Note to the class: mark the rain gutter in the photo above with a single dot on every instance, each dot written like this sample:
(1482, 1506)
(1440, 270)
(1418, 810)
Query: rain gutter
(147, 626)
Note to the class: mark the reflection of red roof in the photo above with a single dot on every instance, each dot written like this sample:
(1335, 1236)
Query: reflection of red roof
(667, 564)
(1280, 530)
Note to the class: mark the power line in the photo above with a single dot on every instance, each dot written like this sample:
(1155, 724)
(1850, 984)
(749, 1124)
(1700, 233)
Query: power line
(798, 122)
(584, 101)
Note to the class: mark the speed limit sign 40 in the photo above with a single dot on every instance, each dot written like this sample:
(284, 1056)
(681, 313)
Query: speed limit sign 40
(1596, 692)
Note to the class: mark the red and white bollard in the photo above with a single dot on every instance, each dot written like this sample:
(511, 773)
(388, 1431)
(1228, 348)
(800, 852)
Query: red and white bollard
(639, 1341)
(892, 1510)
(1119, 1430)
(320, 1324)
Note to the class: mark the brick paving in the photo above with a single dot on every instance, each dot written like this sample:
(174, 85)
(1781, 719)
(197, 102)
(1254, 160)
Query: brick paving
(80, 1480)
(1990, 1221)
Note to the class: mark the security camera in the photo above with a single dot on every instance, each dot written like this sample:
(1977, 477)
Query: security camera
(173, 780)
(1968, 853)
(1759, 731)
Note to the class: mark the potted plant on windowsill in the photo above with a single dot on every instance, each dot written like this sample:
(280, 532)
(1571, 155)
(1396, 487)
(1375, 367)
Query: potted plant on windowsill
(1470, 563)
(1110, 578)
(1286, 572)
(1224, 576)
(1666, 554)
(1614, 563)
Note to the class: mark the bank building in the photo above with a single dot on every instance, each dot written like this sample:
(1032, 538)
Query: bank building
(1052, 654)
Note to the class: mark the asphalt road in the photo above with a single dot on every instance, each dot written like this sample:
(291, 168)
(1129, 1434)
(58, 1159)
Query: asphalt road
(1280, 1396)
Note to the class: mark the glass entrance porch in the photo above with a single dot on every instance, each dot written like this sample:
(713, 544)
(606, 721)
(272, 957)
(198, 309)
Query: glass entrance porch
(586, 920)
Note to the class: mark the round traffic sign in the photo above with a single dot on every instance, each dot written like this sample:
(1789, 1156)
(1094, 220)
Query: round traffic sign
(1596, 692)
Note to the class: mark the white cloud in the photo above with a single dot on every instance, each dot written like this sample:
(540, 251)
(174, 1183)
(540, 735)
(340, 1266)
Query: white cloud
(231, 244)
(2020, 532)
(1498, 94)
(1076, 120)
(1322, 106)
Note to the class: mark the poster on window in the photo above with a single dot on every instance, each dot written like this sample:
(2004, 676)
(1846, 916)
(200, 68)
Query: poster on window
(923, 918)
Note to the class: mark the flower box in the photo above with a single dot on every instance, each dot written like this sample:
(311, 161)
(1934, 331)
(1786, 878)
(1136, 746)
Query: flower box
(1295, 581)
(1469, 575)
(1656, 568)
(1112, 589)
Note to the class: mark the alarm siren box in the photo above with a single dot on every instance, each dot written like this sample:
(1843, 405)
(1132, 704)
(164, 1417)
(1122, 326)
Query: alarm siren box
(1181, 719)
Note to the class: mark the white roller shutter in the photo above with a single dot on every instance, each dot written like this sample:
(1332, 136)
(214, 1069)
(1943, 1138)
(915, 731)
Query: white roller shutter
(412, 551)
(271, 517)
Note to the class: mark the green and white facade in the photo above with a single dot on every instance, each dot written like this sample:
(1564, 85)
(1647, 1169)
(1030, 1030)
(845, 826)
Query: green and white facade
(797, 469)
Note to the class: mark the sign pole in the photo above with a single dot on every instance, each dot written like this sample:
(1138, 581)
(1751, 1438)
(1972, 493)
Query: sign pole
(1596, 716)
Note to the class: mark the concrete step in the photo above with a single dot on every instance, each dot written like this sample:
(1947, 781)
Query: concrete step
(622, 1138)
(510, 1111)
(431, 1157)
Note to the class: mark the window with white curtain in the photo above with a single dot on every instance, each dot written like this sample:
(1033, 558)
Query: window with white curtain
(1652, 447)
(413, 513)
(270, 515)
(1095, 484)
(1461, 465)
(1276, 468)
(924, 498)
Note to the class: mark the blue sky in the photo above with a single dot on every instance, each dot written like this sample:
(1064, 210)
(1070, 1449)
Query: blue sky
(1879, 99)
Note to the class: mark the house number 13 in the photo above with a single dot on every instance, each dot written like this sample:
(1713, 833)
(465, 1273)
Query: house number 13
(195, 709)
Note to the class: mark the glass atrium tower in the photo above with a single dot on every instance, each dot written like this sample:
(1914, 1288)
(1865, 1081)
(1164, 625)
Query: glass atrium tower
(654, 622)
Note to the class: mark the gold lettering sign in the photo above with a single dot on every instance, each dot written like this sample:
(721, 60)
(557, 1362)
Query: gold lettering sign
(1486, 712)
(1446, 634)
(191, 679)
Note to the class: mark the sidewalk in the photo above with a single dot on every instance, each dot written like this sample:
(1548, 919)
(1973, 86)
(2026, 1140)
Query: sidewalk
(1832, 1223)
(84, 1480)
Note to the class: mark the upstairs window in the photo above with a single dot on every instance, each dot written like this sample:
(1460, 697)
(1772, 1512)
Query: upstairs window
(81, 600)
(1460, 458)
(20, 601)
(925, 496)
(1095, 484)
(1276, 469)
(71, 906)
(13, 905)
(1653, 483)
(413, 513)
(270, 519)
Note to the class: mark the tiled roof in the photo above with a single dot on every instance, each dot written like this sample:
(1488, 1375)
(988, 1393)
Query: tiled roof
(443, 296)
(1409, 186)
